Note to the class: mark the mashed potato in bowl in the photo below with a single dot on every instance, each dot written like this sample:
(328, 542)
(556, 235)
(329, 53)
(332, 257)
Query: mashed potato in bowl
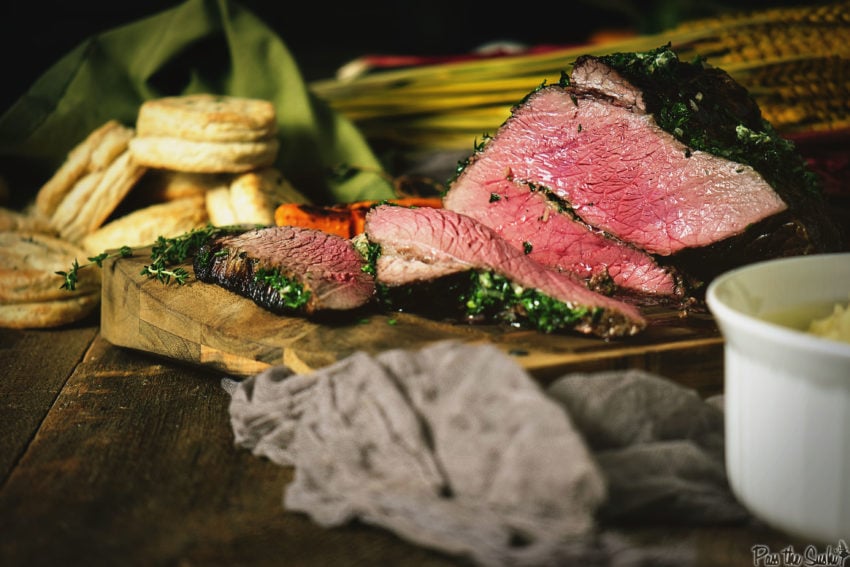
(834, 326)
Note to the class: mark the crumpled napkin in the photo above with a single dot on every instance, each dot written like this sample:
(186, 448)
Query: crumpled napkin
(659, 445)
(214, 46)
(455, 447)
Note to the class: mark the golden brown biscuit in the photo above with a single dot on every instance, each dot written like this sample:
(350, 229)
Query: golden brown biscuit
(28, 265)
(16, 220)
(52, 313)
(160, 185)
(219, 208)
(203, 157)
(207, 118)
(143, 226)
(254, 196)
(94, 197)
(206, 133)
(279, 187)
(94, 153)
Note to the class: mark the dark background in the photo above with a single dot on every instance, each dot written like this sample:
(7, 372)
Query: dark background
(324, 35)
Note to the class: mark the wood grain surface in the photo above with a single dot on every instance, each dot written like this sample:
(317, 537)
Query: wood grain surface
(133, 463)
(206, 325)
(127, 459)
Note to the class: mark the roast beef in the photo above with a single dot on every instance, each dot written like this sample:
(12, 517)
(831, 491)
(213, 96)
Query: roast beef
(667, 167)
(288, 269)
(423, 244)
(526, 216)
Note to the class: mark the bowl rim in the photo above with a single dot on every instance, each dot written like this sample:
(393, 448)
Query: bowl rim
(724, 313)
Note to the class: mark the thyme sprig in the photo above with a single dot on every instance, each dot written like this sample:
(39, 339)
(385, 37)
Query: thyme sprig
(71, 276)
(165, 253)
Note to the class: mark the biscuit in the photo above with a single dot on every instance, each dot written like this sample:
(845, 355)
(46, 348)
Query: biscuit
(44, 314)
(95, 197)
(160, 185)
(251, 198)
(28, 265)
(144, 226)
(207, 118)
(205, 133)
(203, 157)
(218, 206)
(254, 196)
(15, 220)
(94, 153)
(279, 187)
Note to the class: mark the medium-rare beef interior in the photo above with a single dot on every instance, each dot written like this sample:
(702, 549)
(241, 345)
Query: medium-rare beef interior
(288, 269)
(668, 160)
(426, 244)
(526, 214)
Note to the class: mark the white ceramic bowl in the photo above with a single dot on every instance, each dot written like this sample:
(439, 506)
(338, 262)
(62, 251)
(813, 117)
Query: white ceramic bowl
(787, 394)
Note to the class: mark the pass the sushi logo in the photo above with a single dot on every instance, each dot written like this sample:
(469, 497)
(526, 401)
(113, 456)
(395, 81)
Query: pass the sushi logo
(810, 556)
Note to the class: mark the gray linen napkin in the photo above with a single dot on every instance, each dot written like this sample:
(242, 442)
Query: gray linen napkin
(659, 445)
(455, 447)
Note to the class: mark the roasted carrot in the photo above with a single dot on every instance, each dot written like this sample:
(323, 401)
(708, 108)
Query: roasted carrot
(330, 219)
(346, 219)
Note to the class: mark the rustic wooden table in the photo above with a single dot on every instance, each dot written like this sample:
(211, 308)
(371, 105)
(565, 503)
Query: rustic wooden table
(109, 456)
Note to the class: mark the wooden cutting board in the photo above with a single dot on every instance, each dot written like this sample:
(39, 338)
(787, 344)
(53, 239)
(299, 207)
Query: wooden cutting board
(204, 324)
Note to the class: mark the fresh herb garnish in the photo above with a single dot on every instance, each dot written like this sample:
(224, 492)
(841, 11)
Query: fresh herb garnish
(71, 275)
(165, 253)
(705, 110)
(495, 297)
(291, 293)
(370, 251)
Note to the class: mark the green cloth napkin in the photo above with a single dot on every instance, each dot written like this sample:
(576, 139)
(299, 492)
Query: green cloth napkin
(213, 46)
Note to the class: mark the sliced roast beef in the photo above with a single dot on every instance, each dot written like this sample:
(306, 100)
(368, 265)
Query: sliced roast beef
(525, 216)
(621, 173)
(425, 243)
(288, 269)
(652, 152)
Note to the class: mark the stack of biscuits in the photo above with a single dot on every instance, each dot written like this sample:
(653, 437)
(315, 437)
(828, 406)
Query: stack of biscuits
(30, 293)
(188, 161)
